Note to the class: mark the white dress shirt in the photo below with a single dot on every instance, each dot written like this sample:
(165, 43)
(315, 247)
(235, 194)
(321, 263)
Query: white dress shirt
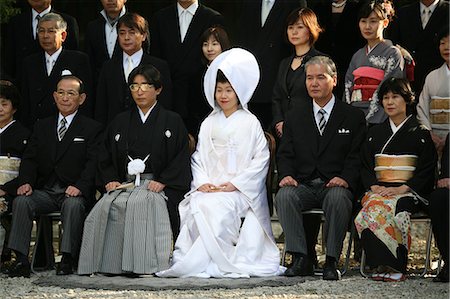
(185, 17)
(266, 7)
(69, 119)
(50, 60)
(427, 11)
(135, 60)
(328, 108)
(34, 19)
(111, 31)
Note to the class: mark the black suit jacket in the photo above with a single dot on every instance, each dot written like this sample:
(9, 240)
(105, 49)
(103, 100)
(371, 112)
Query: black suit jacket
(305, 155)
(407, 31)
(71, 161)
(37, 87)
(269, 43)
(96, 48)
(21, 43)
(113, 93)
(184, 59)
(285, 98)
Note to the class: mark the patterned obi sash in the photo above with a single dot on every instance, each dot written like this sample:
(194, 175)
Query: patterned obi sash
(366, 81)
(394, 168)
(9, 169)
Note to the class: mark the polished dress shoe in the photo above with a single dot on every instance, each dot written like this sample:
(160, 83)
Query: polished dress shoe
(330, 272)
(443, 275)
(19, 269)
(301, 266)
(64, 268)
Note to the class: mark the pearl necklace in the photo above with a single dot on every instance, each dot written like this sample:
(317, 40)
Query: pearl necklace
(338, 5)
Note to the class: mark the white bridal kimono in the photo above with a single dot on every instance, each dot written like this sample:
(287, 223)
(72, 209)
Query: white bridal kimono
(228, 234)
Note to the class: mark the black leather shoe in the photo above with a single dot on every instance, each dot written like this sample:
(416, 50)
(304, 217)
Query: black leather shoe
(443, 275)
(301, 266)
(330, 272)
(64, 268)
(19, 269)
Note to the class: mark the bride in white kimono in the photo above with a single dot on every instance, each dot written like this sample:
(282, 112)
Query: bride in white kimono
(229, 170)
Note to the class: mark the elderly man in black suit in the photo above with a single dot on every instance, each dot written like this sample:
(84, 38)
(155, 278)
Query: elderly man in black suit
(22, 39)
(42, 71)
(101, 35)
(318, 163)
(176, 31)
(415, 29)
(57, 173)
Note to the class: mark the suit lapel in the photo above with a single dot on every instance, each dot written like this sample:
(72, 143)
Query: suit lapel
(332, 126)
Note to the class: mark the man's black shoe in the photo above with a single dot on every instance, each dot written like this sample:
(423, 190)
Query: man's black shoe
(64, 268)
(330, 272)
(301, 266)
(443, 275)
(19, 269)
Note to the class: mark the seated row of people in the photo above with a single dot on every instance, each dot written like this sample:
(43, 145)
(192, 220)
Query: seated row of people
(128, 230)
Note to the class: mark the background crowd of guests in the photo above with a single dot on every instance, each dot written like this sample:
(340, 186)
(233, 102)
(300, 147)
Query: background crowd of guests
(316, 74)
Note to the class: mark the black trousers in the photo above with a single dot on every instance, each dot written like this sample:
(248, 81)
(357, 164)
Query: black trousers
(439, 218)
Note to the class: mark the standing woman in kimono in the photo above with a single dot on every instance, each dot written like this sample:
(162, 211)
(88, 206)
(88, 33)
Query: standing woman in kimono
(399, 160)
(129, 231)
(229, 170)
(377, 61)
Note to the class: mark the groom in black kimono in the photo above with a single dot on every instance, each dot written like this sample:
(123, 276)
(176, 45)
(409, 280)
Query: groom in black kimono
(318, 164)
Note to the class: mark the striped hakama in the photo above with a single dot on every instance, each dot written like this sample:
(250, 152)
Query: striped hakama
(127, 231)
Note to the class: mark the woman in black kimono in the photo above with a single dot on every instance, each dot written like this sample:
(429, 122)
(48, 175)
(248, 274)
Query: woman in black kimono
(399, 162)
(129, 229)
(13, 141)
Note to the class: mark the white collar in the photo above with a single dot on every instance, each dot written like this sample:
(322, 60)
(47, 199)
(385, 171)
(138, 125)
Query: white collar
(136, 57)
(34, 13)
(192, 8)
(145, 116)
(395, 128)
(447, 70)
(328, 107)
(105, 16)
(432, 6)
(54, 56)
(7, 126)
(69, 118)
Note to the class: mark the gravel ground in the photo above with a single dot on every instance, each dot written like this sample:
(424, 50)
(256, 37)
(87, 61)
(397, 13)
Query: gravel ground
(351, 286)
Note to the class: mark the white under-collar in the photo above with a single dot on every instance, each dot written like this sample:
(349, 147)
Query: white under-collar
(7, 126)
(395, 128)
(145, 116)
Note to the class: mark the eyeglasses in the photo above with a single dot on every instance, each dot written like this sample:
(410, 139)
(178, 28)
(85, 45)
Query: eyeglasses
(143, 86)
(70, 94)
(49, 31)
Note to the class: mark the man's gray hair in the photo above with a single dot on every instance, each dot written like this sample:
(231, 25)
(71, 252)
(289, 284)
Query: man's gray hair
(325, 61)
(61, 24)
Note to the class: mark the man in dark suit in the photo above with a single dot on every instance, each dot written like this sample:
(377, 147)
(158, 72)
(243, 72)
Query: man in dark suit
(175, 34)
(101, 35)
(318, 163)
(22, 39)
(267, 41)
(113, 93)
(41, 71)
(415, 29)
(57, 173)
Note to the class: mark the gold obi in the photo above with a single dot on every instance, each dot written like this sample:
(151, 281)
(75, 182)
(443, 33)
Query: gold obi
(440, 110)
(394, 168)
(9, 169)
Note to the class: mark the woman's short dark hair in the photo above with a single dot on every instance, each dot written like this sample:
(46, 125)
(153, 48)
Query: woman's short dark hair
(309, 19)
(10, 92)
(398, 86)
(382, 8)
(135, 21)
(219, 35)
(149, 72)
(443, 32)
